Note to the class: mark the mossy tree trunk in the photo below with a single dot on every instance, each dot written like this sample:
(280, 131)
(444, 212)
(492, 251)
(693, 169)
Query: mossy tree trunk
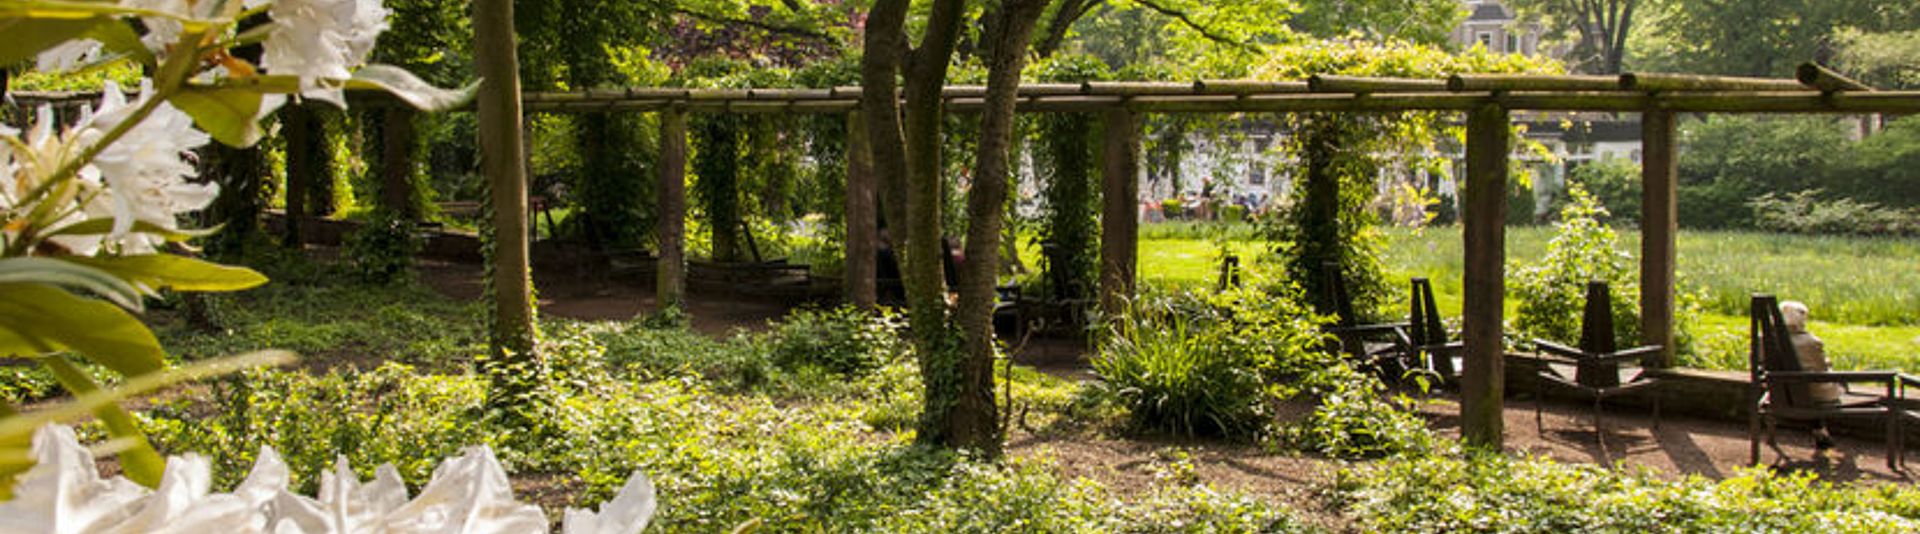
(503, 164)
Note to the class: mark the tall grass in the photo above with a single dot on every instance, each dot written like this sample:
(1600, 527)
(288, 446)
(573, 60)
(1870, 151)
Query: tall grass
(1865, 292)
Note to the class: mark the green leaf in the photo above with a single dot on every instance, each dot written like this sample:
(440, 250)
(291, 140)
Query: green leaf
(28, 36)
(37, 318)
(180, 273)
(139, 461)
(415, 91)
(117, 36)
(60, 273)
(104, 225)
(230, 114)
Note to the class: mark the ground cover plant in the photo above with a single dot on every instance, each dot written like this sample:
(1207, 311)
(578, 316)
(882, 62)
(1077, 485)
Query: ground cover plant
(1481, 492)
(802, 425)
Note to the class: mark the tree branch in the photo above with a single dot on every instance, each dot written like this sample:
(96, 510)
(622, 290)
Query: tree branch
(1187, 20)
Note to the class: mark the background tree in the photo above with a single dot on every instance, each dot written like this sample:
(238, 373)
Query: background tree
(1764, 37)
(1601, 27)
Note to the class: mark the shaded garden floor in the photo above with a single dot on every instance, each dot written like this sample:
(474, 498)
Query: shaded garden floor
(1682, 446)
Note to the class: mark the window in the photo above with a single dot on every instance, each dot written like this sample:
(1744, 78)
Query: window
(1486, 40)
(1513, 43)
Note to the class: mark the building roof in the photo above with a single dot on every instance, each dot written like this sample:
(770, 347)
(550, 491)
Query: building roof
(1489, 11)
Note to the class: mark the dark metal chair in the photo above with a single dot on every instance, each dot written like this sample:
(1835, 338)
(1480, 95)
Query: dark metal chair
(1596, 369)
(1427, 336)
(1780, 388)
(1381, 347)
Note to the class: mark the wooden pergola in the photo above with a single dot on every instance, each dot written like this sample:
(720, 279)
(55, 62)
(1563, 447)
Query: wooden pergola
(1487, 101)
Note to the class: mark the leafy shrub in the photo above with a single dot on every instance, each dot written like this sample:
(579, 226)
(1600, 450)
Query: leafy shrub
(1552, 292)
(1491, 492)
(1614, 184)
(382, 249)
(1354, 418)
(1805, 212)
(843, 340)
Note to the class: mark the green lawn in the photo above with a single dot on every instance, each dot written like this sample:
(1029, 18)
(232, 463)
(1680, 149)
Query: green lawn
(1865, 292)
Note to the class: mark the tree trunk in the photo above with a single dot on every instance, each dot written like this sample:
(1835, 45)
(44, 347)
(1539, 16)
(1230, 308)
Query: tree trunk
(886, 47)
(861, 244)
(974, 422)
(502, 160)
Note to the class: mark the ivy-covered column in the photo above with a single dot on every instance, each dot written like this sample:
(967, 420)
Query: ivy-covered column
(396, 163)
(1483, 382)
(1120, 218)
(302, 166)
(670, 286)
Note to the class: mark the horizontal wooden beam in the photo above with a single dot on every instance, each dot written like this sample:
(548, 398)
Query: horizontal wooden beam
(1815, 76)
(1660, 83)
(1526, 82)
(1325, 83)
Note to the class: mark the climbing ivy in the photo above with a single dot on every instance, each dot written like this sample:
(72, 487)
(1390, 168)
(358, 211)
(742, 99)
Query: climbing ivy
(1064, 160)
(716, 167)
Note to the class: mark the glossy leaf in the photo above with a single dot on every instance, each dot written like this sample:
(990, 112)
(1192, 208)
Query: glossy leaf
(104, 225)
(27, 37)
(37, 318)
(60, 273)
(179, 273)
(230, 114)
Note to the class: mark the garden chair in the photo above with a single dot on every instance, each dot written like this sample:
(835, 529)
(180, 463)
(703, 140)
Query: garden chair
(1596, 369)
(1779, 388)
(1381, 347)
(1427, 336)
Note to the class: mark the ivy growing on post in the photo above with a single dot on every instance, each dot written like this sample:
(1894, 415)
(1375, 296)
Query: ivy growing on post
(1064, 163)
(716, 165)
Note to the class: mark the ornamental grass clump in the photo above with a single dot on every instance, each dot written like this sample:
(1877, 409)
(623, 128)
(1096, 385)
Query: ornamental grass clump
(1204, 364)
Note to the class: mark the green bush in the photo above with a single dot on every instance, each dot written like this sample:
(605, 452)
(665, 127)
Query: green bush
(1805, 212)
(843, 340)
(1615, 185)
(1354, 418)
(382, 249)
(1491, 492)
(1552, 292)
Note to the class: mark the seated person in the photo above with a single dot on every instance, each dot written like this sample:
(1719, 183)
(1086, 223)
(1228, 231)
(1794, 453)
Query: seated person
(1813, 358)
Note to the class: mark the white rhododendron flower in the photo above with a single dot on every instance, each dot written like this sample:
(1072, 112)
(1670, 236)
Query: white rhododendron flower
(63, 493)
(65, 55)
(146, 170)
(143, 177)
(321, 41)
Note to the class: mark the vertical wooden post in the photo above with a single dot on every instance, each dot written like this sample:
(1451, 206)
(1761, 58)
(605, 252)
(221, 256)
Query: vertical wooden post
(1482, 385)
(862, 232)
(396, 162)
(670, 286)
(299, 124)
(502, 162)
(1120, 215)
(1659, 223)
